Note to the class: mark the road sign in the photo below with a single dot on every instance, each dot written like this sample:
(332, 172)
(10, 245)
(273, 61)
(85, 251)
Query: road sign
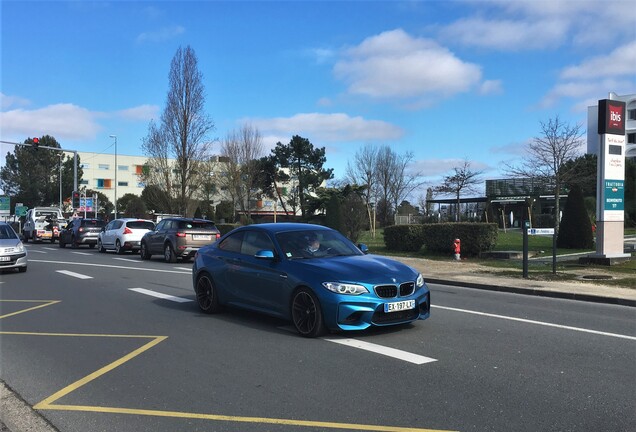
(5, 205)
(20, 210)
(541, 231)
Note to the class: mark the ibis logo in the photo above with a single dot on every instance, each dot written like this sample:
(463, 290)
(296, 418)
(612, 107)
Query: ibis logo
(611, 117)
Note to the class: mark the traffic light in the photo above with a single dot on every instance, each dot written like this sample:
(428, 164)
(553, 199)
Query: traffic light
(75, 199)
(36, 143)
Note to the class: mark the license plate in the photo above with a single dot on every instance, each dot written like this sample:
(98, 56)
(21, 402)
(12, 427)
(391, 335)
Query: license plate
(5, 258)
(46, 235)
(201, 237)
(399, 306)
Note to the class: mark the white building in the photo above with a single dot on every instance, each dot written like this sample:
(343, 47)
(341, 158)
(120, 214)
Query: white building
(99, 173)
(593, 138)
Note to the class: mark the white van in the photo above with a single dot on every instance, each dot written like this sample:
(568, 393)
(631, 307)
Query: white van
(36, 222)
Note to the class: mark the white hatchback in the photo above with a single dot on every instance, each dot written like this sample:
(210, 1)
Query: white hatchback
(123, 235)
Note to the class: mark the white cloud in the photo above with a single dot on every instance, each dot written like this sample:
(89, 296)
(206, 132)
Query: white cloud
(13, 101)
(491, 87)
(140, 113)
(507, 35)
(64, 121)
(328, 127)
(161, 35)
(620, 62)
(394, 64)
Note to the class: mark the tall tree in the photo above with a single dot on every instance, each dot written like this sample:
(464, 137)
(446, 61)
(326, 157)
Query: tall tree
(240, 172)
(463, 179)
(305, 165)
(362, 172)
(181, 135)
(32, 176)
(546, 156)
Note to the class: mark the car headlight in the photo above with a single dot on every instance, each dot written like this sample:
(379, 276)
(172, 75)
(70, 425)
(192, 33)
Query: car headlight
(21, 247)
(345, 288)
(420, 281)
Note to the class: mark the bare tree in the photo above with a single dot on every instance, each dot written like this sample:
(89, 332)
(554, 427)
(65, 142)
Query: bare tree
(178, 146)
(547, 155)
(240, 174)
(463, 180)
(362, 172)
(404, 181)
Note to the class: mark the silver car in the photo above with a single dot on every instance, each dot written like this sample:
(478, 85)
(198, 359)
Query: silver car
(123, 235)
(13, 254)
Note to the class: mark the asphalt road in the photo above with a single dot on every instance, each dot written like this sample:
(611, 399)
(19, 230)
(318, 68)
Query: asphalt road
(87, 342)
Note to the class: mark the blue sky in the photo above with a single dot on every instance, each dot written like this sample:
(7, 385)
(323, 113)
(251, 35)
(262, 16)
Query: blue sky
(446, 80)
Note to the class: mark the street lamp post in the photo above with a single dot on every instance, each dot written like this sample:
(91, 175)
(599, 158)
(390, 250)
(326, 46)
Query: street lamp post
(115, 137)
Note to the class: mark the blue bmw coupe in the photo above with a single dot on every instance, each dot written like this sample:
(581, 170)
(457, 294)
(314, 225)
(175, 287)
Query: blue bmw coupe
(309, 274)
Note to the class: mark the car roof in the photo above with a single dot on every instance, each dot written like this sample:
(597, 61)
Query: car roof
(276, 228)
(188, 219)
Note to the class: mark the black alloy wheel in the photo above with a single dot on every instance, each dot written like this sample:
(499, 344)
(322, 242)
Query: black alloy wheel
(143, 251)
(307, 314)
(206, 294)
(168, 254)
(100, 246)
(118, 248)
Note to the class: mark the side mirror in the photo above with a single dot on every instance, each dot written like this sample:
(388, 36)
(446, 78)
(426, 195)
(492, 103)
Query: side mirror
(363, 248)
(265, 254)
(103, 229)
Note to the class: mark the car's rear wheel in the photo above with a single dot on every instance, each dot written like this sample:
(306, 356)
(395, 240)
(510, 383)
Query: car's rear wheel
(74, 244)
(143, 252)
(307, 314)
(118, 248)
(100, 246)
(168, 254)
(206, 294)
(62, 244)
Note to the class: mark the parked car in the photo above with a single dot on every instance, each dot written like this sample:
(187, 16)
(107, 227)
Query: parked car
(310, 275)
(13, 254)
(178, 238)
(81, 231)
(41, 223)
(123, 235)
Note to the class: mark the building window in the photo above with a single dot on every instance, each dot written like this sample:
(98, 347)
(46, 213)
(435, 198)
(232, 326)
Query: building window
(122, 183)
(104, 184)
(631, 138)
(122, 167)
(83, 182)
(141, 185)
(103, 166)
(85, 166)
(631, 114)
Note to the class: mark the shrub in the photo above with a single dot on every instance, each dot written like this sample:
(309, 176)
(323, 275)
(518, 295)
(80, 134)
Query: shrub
(575, 230)
(226, 228)
(475, 237)
(405, 238)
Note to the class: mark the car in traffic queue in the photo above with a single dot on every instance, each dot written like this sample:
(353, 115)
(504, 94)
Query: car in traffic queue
(13, 254)
(41, 223)
(81, 231)
(123, 235)
(310, 275)
(178, 238)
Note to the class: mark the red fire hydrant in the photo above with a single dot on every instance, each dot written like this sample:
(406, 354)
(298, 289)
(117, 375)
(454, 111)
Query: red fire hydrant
(457, 249)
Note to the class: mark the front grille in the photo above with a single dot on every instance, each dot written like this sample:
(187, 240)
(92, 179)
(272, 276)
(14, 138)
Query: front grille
(386, 291)
(406, 289)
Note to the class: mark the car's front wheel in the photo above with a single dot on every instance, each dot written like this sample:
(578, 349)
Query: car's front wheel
(100, 246)
(307, 314)
(206, 294)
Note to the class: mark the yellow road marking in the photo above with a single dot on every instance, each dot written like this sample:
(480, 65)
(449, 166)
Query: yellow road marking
(46, 303)
(48, 403)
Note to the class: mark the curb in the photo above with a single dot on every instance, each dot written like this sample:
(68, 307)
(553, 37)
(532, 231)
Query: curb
(537, 292)
(18, 416)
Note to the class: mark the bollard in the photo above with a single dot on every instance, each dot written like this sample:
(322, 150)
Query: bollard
(457, 248)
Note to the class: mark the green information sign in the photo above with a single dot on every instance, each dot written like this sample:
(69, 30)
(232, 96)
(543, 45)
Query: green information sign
(21, 210)
(5, 205)
(614, 195)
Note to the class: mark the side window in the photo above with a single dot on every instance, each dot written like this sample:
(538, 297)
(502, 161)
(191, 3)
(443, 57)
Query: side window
(110, 226)
(161, 225)
(232, 243)
(117, 224)
(255, 241)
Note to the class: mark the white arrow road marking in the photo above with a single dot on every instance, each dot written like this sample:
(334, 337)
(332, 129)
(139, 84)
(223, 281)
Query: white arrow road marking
(127, 259)
(76, 275)
(379, 349)
(82, 253)
(527, 321)
(160, 295)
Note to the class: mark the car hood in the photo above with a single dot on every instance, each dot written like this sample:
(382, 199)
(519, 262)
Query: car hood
(9, 243)
(371, 269)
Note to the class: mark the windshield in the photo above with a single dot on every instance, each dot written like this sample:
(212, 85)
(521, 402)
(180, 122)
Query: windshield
(315, 244)
(6, 232)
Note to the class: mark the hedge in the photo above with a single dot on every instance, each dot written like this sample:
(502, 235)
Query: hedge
(407, 238)
(226, 228)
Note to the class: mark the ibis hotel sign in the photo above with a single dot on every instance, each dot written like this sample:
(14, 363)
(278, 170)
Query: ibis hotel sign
(610, 186)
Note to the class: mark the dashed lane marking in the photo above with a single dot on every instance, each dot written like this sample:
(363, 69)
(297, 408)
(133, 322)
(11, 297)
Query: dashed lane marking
(386, 351)
(127, 259)
(82, 253)
(50, 248)
(73, 274)
(36, 251)
(160, 295)
(546, 324)
(154, 270)
(183, 268)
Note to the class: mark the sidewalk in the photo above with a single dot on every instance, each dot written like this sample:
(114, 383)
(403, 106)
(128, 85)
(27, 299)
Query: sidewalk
(468, 274)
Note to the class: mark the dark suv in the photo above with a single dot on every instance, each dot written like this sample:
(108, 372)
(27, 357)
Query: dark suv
(81, 231)
(178, 238)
